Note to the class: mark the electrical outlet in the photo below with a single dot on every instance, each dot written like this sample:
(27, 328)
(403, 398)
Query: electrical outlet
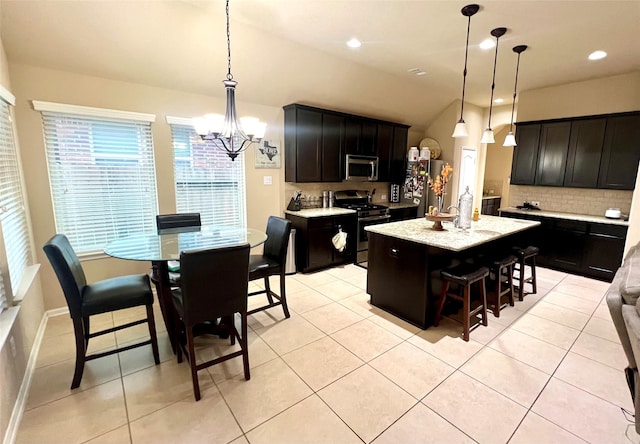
(383, 197)
(12, 343)
(535, 203)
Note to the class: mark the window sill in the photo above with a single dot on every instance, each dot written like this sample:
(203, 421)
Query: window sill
(8, 316)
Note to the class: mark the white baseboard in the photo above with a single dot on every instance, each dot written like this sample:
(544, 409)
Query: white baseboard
(23, 394)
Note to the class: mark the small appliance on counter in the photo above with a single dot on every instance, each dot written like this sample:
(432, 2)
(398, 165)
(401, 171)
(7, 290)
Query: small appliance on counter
(613, 213)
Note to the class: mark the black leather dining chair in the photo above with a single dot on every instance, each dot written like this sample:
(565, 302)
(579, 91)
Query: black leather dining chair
(197, 301)
(86, 300)
(272, 263)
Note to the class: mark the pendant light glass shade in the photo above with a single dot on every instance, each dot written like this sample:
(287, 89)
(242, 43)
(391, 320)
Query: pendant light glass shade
(225, 131)
(487, 136)
(461, 127)
(510, 140)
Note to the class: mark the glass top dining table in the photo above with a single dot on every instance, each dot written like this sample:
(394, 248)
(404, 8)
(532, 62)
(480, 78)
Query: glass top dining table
(167, 244)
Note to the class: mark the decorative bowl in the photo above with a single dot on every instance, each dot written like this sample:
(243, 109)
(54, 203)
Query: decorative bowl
(438, 219)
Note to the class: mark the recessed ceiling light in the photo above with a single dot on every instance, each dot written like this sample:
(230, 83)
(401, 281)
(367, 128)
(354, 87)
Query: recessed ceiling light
(498, 101)
(597, 55)
(354, 43)
(417, 71)
(487, 44)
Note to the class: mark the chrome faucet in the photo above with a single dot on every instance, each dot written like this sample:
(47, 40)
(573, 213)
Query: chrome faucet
(457, 218)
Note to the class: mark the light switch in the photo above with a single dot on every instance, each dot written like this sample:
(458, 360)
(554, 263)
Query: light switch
(268, 180)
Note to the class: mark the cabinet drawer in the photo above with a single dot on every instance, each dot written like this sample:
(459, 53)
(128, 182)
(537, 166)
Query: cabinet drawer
(573, 226)
(318, 223)
(607, 230)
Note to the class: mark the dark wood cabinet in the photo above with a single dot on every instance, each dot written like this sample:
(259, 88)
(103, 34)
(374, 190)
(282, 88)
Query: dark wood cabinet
(385, 151)
(317, 140)
(314, 248)
(332, 165)
(588, 248)
(302, 138)
(620, 153)
(585, 150)
(552, 153)
(525, 154)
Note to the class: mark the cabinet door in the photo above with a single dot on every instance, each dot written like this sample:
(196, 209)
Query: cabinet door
(353, 131)
(320, 249)
(604, 250)
(620, 153)
(399, 157)
(385, 151)
(568, 244)
(349, 226)
(332, 147)
(552, 157)
(367, 145)
(309, 148)
(525, 155)
(585, 150)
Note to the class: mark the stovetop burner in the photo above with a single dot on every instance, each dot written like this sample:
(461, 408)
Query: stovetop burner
(361, 206)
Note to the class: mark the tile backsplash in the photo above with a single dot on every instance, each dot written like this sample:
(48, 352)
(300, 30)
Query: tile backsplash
(311, 190)
(572, 200)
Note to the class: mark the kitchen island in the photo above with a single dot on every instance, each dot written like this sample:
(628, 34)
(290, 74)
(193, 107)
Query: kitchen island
(405, 259)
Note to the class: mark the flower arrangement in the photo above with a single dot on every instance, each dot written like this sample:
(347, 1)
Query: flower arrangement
(439, 185)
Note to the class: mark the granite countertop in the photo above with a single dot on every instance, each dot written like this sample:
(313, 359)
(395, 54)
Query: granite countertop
(486, 229)
(491, 197)
(320, 212)
(393, 206)
(569, 216)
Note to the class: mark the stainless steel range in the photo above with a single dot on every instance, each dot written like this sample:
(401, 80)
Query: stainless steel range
(368, 214)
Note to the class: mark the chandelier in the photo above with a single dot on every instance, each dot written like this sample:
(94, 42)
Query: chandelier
(225, 131)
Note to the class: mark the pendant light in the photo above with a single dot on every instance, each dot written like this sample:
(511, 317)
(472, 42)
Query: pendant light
(510, 140)
(487, 135)
(461, 127)
(225, 131)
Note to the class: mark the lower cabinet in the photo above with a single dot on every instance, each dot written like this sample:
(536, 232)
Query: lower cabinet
(314, 246)
(587, 248)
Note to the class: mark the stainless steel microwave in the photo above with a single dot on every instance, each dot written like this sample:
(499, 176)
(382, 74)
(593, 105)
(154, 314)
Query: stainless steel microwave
(361, 168)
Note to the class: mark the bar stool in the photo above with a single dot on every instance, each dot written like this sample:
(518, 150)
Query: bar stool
(464, 275)
(526, 256)
(502, 269)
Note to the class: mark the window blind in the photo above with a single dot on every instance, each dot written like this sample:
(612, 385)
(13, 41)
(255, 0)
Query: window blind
(13, 216)
(207, 180)
(102, 175)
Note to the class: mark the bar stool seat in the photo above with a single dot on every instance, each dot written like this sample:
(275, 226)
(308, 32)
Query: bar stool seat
(464, 275)
(501, 269)
(526, 256)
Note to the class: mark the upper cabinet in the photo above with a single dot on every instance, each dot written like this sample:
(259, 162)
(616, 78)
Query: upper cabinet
(525, 154)
(620, 153)
(552, 153)
(585, 152)
(317, 140)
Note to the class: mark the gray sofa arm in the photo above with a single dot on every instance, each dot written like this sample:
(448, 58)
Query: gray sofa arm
(615, 303)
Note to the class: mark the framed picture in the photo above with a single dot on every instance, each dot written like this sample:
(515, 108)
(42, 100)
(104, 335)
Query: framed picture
(268, 154)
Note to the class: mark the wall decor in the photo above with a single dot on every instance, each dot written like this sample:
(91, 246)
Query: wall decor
(268, 154)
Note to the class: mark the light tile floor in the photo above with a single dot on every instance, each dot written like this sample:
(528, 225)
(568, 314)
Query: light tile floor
(549, 370)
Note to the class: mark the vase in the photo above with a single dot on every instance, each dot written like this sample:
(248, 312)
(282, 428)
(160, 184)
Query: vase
(439, 203)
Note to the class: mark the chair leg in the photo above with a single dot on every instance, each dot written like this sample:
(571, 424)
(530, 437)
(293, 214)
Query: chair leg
(483, 293)
(521, 280)
(81, 350)
(152, 334)
(229, 322)
(267, 287)
(87, 325)
(244, 343)
(466, 302)
(443, 297)
(283, 296)
(496, 309)
(510, 284)
(192, 362)
(534, 282)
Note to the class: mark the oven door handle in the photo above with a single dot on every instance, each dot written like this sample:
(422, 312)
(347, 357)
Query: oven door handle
(372, 218)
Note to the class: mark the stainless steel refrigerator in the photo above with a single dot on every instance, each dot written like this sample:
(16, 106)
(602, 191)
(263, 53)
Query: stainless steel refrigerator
(416, 188)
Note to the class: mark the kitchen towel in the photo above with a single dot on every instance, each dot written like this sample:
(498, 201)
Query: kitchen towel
(339, 240)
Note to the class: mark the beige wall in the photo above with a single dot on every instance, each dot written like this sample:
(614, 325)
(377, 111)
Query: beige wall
(32, 83)
(498, 166)
(23, 331)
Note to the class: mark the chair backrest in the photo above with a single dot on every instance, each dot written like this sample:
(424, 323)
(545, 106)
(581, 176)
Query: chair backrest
(68, 269)
(179, 220)
(278, 230)
(214, 282)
